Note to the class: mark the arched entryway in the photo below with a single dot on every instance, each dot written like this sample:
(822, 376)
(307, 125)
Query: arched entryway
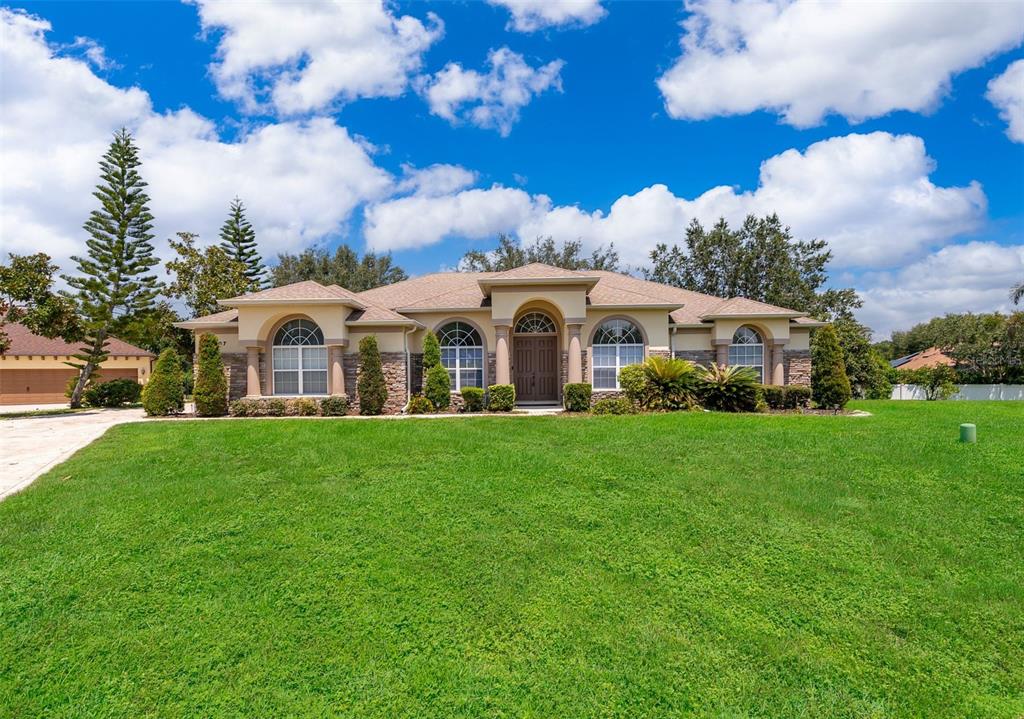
(535, 358)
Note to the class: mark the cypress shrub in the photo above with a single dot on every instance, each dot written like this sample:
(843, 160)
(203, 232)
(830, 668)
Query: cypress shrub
(373, 390)
(211, 388)
(164, 394)
(502, 397)
(431, 350)
(830, 387)
(576, 397)
(438, 387)
(473, 399)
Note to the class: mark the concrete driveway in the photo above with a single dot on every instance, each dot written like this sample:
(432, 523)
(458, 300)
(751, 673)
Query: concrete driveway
(31, 445)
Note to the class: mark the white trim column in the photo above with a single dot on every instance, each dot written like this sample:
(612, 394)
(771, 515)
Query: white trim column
(575, 373)
(252, 371)
(502, 372)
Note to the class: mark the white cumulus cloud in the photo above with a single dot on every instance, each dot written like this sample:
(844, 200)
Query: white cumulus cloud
(494, 99)
(303, 56)
(973, 277)
(1006, 92)
(532, 15)
(870, 196)
(435, 180)
(804, 60)
(300, 180)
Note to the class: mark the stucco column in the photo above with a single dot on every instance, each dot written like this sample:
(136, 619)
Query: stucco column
(575, 354)
(337, 370)
(721, 352)
(502, 374)
(252, 371)
(778, 372)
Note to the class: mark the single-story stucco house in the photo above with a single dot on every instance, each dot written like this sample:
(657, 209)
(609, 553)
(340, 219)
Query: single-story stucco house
(34, 369)
(537, 327)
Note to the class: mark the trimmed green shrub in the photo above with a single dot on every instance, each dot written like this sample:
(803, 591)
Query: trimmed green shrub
(164, 394)
(275, 408)
(613, 405)
(501, 397)
(115, 393)
(431, 350)
(633, 382)
(437, 388)
(306, 407)
(774, 396)
(373, 390)
(729, 389)
(211, 387)
(798, 396)
(334, 406)
(671, 383)
(830, 387)
(241, 408)
(473, 399)
(418, 404)
(576, 396)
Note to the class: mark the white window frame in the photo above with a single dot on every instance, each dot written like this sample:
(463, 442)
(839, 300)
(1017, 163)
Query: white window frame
(745, 344)
(459, 350)
(619, 362)
(301, 369)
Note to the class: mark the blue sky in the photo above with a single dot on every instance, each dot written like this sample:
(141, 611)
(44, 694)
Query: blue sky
(888, 141)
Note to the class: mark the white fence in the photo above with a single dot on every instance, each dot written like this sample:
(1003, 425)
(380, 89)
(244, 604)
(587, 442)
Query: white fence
(966, 391)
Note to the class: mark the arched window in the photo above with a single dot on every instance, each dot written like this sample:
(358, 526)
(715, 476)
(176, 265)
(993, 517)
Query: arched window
(462, 354)
(617, 343)
(535, 323)
(299, 359)
(747, 350)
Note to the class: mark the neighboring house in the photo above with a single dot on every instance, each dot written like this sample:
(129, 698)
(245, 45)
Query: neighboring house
(537, 327)
(33, 370)
(931, 357)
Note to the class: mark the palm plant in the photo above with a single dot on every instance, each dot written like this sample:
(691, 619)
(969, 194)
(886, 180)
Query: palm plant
(671, 383)
(729, 389)
(1017, 293)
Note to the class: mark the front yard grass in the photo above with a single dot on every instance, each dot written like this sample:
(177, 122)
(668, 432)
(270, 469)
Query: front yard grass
(668, 565)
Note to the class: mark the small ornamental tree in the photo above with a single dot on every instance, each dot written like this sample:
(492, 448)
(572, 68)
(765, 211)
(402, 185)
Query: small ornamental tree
(211, 389)
(373, 390)
(437, 387)
(164, 394)
(830, 386)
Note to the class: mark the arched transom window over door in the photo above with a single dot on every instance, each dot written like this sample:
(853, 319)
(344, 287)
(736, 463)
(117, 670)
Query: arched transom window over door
(462, 354)
(617, 343)
(535, 323)
(747, 350)
(299, 359)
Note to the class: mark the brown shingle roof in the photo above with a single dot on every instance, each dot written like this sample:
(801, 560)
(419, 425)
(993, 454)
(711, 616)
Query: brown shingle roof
(24, 342)
(308, 290)
(743, 307)
(539, 271)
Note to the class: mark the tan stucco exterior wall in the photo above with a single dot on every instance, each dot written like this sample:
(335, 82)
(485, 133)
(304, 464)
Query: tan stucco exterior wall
(481, 319)
(388, 339)
(799, 339)
(571, 302)
(771, 329)
(228, 339)
(142, 364)
(256, 322)
(692, 340)
(653, 324)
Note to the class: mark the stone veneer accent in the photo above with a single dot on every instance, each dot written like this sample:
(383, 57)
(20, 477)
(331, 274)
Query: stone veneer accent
(393, 364)
(418, 373)
(235, 365)
(704, 357)
(797, 366)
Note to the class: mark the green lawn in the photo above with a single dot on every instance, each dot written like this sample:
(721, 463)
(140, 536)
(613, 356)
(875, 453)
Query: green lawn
(670, 565)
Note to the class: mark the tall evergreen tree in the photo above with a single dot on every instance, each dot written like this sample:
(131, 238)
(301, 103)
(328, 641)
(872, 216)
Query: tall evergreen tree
(114, 278)
(345, 267)
(238, 240)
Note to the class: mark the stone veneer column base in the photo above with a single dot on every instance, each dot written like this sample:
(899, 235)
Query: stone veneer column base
(393, 365)
(797, 366)
(704, 357)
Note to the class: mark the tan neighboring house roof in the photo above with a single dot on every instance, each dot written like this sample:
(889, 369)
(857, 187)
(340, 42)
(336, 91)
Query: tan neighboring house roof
(26, 343)
(454, 291)
(931, 357)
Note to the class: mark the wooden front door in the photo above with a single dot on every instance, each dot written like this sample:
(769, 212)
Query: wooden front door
(535, 368)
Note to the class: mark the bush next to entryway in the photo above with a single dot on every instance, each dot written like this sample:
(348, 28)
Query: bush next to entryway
(418, 404)
(576, 396)
(211, 389)
(115, 393)
(473, 399)
(373, 390)
(164, 394)
(501, 397)
(830, 386)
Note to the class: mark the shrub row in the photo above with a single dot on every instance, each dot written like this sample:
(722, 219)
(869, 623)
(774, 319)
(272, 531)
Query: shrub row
(115, 393)
(334, 406)
(791, 396)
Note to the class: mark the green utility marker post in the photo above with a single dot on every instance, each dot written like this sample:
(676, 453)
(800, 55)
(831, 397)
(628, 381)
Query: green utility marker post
(968, 433)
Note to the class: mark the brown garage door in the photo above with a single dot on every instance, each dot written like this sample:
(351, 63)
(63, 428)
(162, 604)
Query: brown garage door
(45, 386)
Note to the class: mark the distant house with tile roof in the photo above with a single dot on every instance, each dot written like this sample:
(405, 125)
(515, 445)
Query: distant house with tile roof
(537, 327)
(931, 357)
